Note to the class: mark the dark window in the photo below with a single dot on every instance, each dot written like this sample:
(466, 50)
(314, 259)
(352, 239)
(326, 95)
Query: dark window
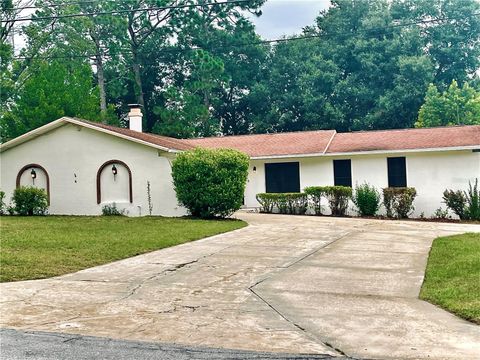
(342, 172)
(282, 177)
(397, 172)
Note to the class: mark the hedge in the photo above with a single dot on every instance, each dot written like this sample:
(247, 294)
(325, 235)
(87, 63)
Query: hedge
(285, 203)
(398, 202)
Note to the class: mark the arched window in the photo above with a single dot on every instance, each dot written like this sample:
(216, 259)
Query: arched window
(34, 175)
(114, 180)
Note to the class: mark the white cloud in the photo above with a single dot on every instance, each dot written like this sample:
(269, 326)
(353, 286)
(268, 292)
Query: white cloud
(287, 17)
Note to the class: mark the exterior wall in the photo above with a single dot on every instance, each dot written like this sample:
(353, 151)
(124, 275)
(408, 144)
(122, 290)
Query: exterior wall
(72, 155)
(429, 172)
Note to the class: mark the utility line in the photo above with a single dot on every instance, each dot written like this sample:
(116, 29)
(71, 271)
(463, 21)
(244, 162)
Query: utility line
(103, 13)
(280, 40)
(66, 3)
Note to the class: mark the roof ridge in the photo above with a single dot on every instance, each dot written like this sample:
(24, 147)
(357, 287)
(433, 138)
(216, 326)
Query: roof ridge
(409, 129)
(264, 134)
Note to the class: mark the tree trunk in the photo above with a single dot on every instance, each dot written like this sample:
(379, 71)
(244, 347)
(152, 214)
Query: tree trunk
(100, 76)
(139, 84)
(101, 86)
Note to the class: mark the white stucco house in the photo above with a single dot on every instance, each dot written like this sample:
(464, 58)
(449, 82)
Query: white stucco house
(84, 165)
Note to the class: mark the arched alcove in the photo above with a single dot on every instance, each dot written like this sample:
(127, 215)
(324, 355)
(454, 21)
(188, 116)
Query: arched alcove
(34, 175)
(114, 182)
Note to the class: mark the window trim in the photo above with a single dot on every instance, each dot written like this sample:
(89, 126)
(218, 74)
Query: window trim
(350, 170)
(266, 164)
(405, 171)
(26, 167)
(99, 173)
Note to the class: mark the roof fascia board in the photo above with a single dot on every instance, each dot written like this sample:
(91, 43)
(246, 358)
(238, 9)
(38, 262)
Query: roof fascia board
(126, 137)
(32, 134)
(64, 120)
(373, 152)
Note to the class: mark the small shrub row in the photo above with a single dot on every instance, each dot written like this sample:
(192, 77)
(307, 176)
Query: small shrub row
(297, 203)
(284, 203)
(465, 204)
(398, 201)
(337, 198)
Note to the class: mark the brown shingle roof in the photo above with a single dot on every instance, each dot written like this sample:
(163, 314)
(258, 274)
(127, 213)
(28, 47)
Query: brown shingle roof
(294, 143)
(164, 141)
(318, 142)
(406, 139)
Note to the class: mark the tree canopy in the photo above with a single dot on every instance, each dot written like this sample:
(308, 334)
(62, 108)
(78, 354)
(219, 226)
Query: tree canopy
(199, 68)
(455, 106)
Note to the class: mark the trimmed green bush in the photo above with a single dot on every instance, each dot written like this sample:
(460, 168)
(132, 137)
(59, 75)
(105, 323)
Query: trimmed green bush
(284, 203)
(267, 201)
(398, 202)
(338, 197)
(465, 204)
(28, 201)
(367, 199)
(210, 183)
(457, 202)
(315, 194)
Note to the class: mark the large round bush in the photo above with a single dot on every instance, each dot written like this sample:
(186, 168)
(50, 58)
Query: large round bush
(210, 183)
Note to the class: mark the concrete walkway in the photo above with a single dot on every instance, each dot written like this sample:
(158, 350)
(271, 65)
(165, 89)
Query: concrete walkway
(283, 284)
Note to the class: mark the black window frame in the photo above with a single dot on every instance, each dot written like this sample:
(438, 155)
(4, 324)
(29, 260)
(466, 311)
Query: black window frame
(397, 171)
(275, 182)
(342, 172)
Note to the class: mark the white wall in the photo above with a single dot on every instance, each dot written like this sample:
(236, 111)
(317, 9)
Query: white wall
(429, 172)
(72, 156)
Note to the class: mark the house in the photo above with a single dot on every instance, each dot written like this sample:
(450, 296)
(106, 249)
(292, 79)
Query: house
(84, 165)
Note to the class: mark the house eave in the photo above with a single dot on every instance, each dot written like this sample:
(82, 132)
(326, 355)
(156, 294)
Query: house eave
(67, 120)
(369, 152)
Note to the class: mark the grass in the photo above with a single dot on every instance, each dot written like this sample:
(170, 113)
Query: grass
(42, 247)
(452, 278)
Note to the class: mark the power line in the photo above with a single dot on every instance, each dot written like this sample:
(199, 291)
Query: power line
(280, 40)
(55, 5)
(103, 13)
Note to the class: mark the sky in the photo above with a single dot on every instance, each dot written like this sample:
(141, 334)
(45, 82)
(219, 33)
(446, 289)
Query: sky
(279, 18)
(287, 17)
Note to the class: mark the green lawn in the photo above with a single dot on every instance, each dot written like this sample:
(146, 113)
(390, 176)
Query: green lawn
(452, 279)
(41, 247)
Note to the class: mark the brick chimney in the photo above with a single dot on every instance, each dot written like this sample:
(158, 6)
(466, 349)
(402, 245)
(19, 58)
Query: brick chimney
(135, 117)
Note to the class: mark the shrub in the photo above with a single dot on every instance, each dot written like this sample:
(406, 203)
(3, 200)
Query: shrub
(399, 201)
(297, 203)
(473, 201)
(367, 199)
(457, 202)
(465, 204)
(210, 183)
(3, 206)
(440, 214)
(284, 203)
(112, 210)
(315, 194)
(267, 201)
(29, 201)
(338, 197)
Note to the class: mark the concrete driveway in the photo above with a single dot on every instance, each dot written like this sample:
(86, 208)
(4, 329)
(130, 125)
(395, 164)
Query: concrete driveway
(283, 284)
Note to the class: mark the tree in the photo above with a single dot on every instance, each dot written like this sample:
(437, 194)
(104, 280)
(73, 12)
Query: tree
(51, 91)
(455, 106)
(187, 111)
